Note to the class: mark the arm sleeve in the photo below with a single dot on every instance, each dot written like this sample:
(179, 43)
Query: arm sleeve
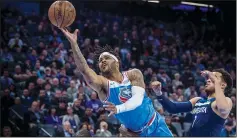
(175, 107)
(134, 102)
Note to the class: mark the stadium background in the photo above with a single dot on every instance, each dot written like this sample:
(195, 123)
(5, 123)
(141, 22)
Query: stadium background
(167, 41)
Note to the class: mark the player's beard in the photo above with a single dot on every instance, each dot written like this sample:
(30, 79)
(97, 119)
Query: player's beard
(110, 69)
(209, 91)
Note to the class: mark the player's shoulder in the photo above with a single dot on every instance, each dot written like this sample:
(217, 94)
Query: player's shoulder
(134, 71)
(195, 100)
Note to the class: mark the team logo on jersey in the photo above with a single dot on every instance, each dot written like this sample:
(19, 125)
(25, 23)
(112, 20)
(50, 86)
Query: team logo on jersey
(124, 94)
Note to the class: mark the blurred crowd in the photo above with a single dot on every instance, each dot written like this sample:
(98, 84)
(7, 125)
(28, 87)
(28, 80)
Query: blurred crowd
(43, 94)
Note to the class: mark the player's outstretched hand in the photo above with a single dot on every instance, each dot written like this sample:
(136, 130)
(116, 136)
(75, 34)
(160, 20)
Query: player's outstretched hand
(110, 107)
(156, 86)
(72, 37)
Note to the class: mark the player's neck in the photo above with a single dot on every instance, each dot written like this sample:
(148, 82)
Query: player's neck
(116, 76)
(213, 95)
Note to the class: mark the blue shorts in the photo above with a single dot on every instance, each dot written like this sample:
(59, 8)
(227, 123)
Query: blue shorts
(157, 129)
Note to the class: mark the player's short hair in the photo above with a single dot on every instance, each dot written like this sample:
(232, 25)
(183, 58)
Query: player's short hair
(226, 78)
(99, 50)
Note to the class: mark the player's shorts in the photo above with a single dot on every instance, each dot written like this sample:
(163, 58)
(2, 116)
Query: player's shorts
(157, 128)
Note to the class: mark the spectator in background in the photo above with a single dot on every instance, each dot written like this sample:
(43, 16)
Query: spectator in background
(7, 56)
(6, 81)
(176, 82)
(187, 78)
(16, 41)
(229, 130)
(66, 131)
(94, 103)
(71, 90)
(6, 102)
(78, 108)
(103, 131)
(18, 108)
(26, 99)
(72, 118)
(53, 118)
(7, 131)
(171, 127)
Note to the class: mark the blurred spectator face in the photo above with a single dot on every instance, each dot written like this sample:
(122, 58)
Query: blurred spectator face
(55, 33)
(87, 41)
(168, 120)
(125, 35)
(84, 126)
(93, 95)
(31, 86)
(7, 132)
(103, 125)
(69, 110)
(228, 127)
(37, 65)
(63, 72)
(88, 111)
(163, 74)
(67, 125)
(62, 105)
(44, 52)
(176, 76)
(179, 91)
(72, 84)
(6, 92)
(42, 93)
(35, 106)
(77, 103)
(53, 111)
(141, 62)
(58, 94)
(96, 41)
(17, 100)
(18, 69)
(149, 70)
(33, 52)
(47, 87)
(81, 89)
(41, 44)
(26, 92)
(40, 81)
(64, 94)
(55, 82)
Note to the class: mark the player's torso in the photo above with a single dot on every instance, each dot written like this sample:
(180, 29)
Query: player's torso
(205, 121)
(119, 93)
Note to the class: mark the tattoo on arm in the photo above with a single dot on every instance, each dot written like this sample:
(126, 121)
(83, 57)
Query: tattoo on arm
(136, 78)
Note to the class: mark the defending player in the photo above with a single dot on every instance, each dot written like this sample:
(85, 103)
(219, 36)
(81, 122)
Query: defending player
(126, 90)
(208, 115)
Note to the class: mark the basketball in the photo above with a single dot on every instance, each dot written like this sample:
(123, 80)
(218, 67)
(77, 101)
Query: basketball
(62, 14)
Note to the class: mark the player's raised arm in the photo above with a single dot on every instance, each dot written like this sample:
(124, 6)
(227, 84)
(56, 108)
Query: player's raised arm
(95, 81)
(172, 107)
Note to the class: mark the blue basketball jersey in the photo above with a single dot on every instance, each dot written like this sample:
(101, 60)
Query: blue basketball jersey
(205, 121)
(135, 119)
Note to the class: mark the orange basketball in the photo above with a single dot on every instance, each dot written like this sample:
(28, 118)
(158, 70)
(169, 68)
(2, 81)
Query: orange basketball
(62, 13)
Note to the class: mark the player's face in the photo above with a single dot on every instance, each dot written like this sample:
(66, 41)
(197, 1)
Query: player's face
(107, 64)
(210, 87)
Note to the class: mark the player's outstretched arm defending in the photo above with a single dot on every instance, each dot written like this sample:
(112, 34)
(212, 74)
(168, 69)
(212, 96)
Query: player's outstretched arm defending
(138, 91)
(172, 107)
(95, 81)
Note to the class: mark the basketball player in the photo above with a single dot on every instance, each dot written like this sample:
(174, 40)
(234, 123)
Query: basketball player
(126, 91)
(208, 115)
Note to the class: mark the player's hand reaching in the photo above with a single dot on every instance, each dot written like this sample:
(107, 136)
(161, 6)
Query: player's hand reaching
(207, 74)
(72, 37)
(110, 107)
(156, 86)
